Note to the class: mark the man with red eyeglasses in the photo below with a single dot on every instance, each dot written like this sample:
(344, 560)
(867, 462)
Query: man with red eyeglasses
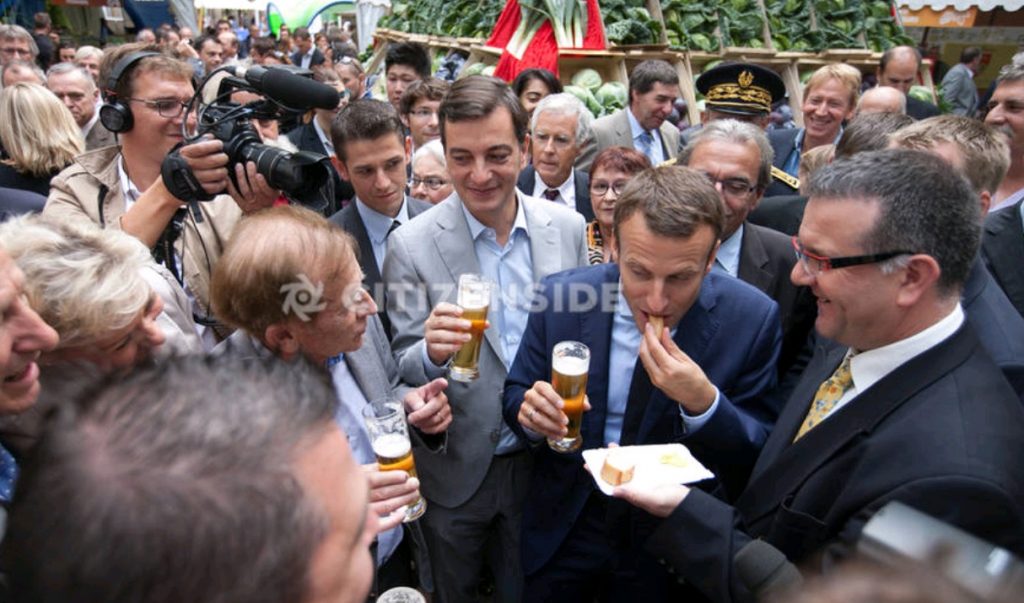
(904, 406)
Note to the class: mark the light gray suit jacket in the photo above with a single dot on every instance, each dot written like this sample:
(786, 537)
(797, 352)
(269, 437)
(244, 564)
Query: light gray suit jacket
(959, 90)
(425, 259)
(613, 130)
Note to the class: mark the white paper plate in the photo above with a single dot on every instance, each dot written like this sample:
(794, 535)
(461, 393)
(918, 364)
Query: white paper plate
(650, 471)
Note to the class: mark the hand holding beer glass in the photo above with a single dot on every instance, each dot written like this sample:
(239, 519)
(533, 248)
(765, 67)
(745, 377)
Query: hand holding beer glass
(389, 436)
(570, 365)
(474, 297)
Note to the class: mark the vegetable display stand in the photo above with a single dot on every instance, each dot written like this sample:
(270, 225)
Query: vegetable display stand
(633, 23)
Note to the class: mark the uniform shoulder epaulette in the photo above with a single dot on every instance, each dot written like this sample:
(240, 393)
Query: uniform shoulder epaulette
(790, 181)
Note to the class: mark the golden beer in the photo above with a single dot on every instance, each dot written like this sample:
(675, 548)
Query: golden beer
(474, 299)
(570, 365)
(394, 453)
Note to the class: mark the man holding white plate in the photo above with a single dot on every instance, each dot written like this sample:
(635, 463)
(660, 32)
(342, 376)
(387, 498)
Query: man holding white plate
(706, 348)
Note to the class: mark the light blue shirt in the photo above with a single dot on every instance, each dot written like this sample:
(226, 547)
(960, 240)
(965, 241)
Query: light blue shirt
(727, 260)
(377, 228)
(792, 164)
(635, 129)
(510, 268)
(623, 357)
(349, 418)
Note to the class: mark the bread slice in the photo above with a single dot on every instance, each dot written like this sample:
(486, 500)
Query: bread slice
(618, 468)
(658, 323)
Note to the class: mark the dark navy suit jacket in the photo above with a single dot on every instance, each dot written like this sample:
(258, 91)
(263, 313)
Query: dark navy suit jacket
(528, 179)
(732, 331)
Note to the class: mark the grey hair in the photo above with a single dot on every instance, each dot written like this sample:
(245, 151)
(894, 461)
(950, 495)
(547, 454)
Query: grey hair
(433, 149)
(184, 475)
(564, 103)
(66, 68)
(83, 281)
(88, 51)
(926, 214)
(1011, 72)
(736, 132)
(17, 32)
(23, 65)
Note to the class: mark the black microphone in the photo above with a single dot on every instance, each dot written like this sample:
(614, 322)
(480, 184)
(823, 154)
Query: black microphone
(288, 88)
(763, 569)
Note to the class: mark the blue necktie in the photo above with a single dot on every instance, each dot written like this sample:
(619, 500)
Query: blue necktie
(646, 140)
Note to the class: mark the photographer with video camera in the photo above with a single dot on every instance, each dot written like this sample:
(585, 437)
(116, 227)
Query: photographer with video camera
(146, 93)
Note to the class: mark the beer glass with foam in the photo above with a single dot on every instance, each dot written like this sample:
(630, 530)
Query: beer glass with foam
(570, 365)
(474, 298)
(389, 436)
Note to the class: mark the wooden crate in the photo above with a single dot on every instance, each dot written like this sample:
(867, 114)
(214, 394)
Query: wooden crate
(488, 55)
(609, 64)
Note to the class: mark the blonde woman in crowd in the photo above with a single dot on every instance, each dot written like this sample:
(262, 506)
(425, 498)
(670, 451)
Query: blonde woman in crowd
(111, 304)
(39, 137)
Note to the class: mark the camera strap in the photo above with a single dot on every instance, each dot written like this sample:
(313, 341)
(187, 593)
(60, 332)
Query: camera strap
(163, 252)
(179, 179)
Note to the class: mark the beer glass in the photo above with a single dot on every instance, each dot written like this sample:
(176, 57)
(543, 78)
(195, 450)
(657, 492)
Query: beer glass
(474, 298)
(570, 364)
(389, 436)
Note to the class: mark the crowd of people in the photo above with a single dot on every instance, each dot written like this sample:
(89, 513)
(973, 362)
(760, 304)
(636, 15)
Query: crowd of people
(829, 317)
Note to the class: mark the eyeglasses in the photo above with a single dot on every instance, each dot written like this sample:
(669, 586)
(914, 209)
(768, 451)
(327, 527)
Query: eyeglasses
(347, 60)
(431, 182)
(734, 187)
(424, 113)
(601, 189)
(816, 264)
(11, 51)
(166, 107)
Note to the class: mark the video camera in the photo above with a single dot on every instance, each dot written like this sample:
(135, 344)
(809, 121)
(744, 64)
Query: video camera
(304, 176)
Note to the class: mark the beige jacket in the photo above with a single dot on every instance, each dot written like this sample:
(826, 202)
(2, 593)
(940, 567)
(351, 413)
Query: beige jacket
(90, 189)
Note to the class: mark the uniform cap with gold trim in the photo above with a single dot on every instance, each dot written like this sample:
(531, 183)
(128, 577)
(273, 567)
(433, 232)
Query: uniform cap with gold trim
(741, 89)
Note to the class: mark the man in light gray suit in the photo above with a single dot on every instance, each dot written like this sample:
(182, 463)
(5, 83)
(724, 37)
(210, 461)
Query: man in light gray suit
(75, 88)
(476, 487)
(291, 285)
(653, 87)
(958, 84)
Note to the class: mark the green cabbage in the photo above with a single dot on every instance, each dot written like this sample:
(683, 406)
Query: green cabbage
(587, 78)
(612, 95)
(921, 93)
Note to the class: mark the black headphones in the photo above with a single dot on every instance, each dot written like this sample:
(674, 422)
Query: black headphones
(115, 115)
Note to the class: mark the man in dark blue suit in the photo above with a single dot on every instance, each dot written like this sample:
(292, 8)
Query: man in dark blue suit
(701, 378)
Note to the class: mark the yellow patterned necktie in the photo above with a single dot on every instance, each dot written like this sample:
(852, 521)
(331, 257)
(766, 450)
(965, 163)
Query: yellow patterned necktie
(828, 394)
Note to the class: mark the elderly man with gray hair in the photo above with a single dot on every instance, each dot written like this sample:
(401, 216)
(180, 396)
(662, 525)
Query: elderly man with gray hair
(558, 129)
(74, 86)
(16, 44)
(737, 158)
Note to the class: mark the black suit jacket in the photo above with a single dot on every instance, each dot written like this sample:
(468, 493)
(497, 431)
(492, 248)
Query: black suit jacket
(528, 179)
(941, 433)
(352, 222)
(305, 138)
(318, 58)
(920, 109)
(783, 142)
(780, 213)
(766, 259)
(1002, 246)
